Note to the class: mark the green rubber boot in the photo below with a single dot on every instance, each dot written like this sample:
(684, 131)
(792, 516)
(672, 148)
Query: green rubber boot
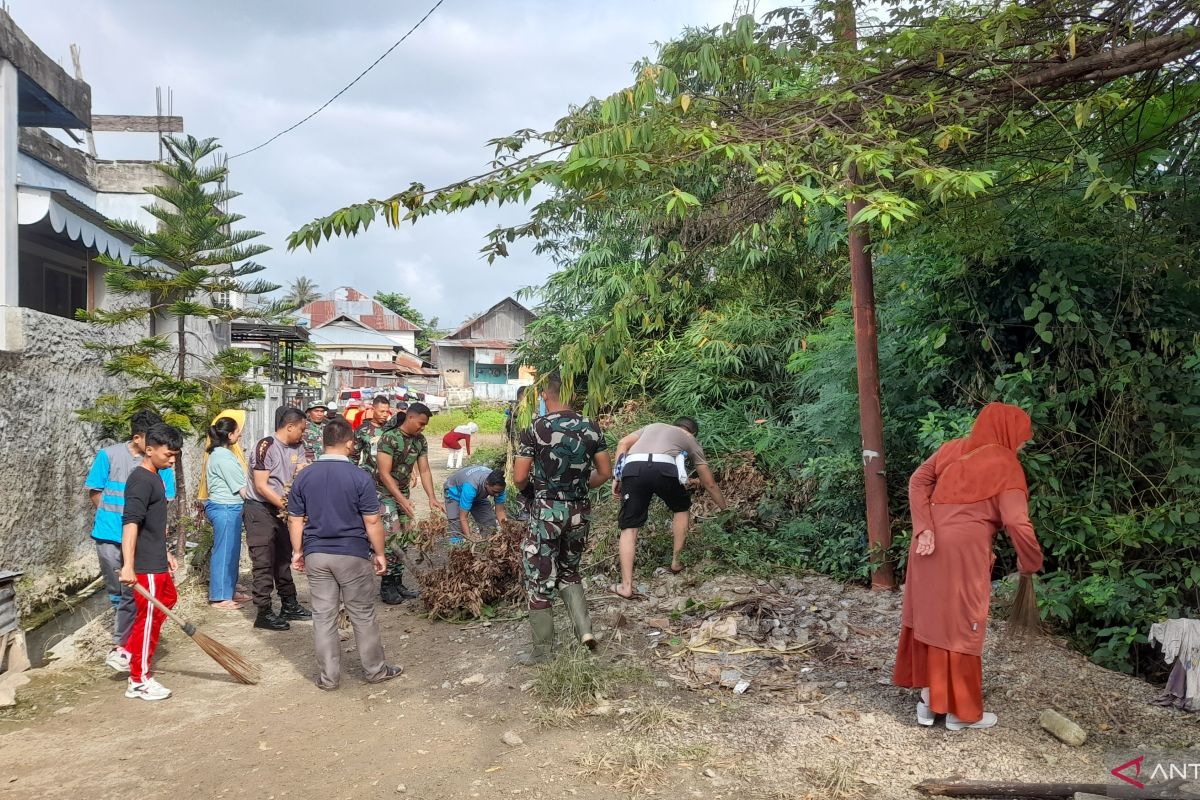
(541, 620)
(576, 603)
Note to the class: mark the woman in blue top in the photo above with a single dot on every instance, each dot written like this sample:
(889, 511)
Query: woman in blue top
(225, 477)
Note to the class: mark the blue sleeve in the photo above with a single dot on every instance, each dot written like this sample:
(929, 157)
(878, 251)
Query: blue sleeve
(295, 498)
(502, 498)
(368, 498)
(168, 479)
(466, 497)
(98, 475)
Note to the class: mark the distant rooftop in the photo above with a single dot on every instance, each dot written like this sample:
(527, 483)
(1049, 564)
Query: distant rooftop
(346, 301)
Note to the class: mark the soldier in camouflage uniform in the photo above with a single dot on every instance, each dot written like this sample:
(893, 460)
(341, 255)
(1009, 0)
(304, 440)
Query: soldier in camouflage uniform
(313, 445)
(366, 438)
(562, 456)
(402, 452)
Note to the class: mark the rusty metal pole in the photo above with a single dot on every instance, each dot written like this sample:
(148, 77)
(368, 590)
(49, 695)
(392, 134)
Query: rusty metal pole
(866, 346)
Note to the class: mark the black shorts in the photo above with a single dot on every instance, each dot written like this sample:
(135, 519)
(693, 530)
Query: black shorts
(641, 482)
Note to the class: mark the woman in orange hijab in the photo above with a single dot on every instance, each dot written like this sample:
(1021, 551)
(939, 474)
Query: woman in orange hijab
(967, 491)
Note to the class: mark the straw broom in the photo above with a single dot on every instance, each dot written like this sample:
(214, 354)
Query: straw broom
(1024, 619)
(234, 663)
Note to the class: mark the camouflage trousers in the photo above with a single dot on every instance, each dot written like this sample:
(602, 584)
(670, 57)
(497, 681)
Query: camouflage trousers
(553, 548)
(398, 534)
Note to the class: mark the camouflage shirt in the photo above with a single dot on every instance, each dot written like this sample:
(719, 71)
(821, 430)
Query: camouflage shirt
(313, 445)
(563, 446)
(366, 446)
(405, 452)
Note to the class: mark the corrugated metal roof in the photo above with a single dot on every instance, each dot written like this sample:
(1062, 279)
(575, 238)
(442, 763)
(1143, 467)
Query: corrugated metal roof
(490, 344)
(383, 366)
(348, 301)
(348, 335)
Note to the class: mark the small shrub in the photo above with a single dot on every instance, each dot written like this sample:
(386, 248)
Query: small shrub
(575, 679)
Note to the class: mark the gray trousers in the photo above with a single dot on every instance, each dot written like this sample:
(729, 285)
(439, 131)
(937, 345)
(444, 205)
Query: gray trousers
(121, 596)
(482, 511)
(343, 580)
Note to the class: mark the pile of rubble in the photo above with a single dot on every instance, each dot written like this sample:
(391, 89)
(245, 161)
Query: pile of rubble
(760, 638)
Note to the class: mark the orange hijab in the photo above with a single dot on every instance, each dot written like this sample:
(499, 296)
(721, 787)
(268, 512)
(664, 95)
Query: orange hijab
(984, 464)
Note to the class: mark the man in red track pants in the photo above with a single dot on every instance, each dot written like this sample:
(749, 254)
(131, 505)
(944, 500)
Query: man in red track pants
(145, 558)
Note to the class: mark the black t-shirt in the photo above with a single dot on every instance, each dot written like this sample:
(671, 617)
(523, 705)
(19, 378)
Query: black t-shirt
(146, 505)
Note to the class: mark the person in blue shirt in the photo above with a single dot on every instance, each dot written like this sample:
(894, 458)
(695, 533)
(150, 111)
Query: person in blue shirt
(468, 492)
(105, 484)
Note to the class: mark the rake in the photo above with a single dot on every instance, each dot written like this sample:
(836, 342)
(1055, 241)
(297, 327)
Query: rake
(231, 660)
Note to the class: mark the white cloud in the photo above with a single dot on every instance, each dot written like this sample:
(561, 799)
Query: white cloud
(478, 69)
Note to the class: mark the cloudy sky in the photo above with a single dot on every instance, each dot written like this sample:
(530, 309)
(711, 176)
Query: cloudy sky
(242, 71)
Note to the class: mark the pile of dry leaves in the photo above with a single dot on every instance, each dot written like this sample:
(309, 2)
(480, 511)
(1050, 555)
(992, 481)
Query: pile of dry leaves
(479, 574)
(741, 481)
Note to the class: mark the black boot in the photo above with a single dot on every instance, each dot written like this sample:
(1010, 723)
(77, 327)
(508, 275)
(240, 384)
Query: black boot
(291, 609)
(269, 620)
(405, 592)
(391, 590)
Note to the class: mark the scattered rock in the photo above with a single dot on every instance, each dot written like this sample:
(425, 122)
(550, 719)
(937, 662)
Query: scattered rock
(741, 686)
(840, 685)
(709, 772)
(730, 678)
(401, 789)
(445, 684)
(1062, 728)
(600, 711)
(475, 680)
(511, 739)
(826, 713)
(527, 685)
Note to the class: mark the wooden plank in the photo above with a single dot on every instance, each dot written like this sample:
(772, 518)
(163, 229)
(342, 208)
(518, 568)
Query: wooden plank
(961, 788)
(136, 123)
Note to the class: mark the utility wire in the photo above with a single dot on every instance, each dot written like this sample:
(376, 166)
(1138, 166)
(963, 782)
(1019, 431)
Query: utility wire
(346, 88)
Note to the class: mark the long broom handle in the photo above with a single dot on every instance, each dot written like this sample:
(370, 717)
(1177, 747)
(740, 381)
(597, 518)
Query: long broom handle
(188, 627)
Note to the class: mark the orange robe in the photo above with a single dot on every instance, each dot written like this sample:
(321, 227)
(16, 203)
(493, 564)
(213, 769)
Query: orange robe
(947, 594)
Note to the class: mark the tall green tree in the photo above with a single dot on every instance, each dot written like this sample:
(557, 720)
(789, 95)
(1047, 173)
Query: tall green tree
(184, 269)
(1027, 172)
(401, 304)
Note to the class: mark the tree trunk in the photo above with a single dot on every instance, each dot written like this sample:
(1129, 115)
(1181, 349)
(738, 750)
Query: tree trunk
(177, 510)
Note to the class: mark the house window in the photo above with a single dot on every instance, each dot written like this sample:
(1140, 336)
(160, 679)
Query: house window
(52, 281)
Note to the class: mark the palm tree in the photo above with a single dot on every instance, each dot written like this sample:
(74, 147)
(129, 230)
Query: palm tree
(301, 292)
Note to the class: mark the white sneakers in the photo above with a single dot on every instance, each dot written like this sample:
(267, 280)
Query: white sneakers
(118, 659)
(953, 723)
(926, 717)
(148, 689)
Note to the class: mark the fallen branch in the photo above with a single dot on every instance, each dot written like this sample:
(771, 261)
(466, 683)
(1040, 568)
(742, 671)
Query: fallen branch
(962, 788)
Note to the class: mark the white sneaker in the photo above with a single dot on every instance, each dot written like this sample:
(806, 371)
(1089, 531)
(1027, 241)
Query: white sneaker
(953, 723)
(118, 659)
(148, 689)
(925, 715)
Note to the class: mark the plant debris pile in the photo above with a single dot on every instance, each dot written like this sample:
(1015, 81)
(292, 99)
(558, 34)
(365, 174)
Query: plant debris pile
(477, 575)
(741, 480)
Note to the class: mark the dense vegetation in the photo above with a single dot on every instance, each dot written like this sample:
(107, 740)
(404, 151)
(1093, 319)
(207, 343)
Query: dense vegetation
(1028, 174)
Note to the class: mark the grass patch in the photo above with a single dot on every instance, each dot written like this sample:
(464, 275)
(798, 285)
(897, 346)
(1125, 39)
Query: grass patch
(637, 766)
(490, 419)
(657, 718)
(492, 456)
(575, 679)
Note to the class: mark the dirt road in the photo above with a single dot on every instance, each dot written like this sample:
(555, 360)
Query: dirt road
(835, 729)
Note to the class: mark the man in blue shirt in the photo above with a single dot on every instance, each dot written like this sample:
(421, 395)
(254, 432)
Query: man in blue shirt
(106, 488)
(468, 492)
(337, 538)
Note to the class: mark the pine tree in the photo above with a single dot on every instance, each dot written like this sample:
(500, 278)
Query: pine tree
(187, 267)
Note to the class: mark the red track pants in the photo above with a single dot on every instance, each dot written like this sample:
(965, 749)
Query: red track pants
(143, 637)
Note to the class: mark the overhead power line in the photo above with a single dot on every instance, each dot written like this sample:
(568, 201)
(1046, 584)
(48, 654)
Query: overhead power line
(346, 88)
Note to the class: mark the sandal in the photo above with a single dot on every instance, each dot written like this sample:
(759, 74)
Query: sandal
(241, 597)
(615, 588)
(389, 671)
(231, 605)
(674, 571)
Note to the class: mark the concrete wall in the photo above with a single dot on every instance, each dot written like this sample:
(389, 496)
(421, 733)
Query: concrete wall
(455, 366)
(45, 517)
